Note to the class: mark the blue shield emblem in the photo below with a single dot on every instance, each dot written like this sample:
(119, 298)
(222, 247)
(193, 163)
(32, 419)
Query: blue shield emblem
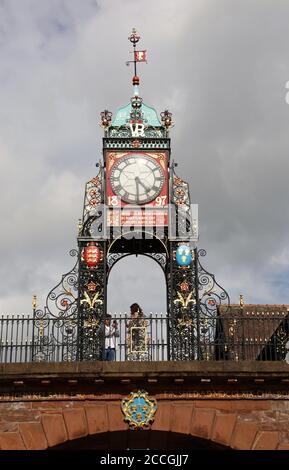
(183, 255)
(139, 409)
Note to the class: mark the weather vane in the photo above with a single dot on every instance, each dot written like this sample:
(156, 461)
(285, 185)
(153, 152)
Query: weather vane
(138, 56)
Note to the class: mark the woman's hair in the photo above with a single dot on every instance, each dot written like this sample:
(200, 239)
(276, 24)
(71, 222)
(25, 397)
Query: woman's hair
(135, 308)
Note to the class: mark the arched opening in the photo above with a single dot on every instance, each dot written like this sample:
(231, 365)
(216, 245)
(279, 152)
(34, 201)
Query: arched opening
(136, 279)
(139, 279)
(137, 440)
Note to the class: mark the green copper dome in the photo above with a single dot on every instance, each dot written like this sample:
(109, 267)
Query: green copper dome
(149, 116)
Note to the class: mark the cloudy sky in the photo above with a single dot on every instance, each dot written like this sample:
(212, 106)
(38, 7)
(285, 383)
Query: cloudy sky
(220, 66)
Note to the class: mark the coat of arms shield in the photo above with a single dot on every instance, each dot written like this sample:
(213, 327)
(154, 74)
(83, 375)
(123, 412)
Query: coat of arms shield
(139, 409)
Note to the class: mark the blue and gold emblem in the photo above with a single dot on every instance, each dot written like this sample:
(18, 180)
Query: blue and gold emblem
(183, 255)
(138, 409)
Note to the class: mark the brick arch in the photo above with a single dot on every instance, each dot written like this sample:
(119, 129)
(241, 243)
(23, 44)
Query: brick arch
(52, 423)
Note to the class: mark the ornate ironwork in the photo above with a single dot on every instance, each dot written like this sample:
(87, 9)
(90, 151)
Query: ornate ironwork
(166, 118)
(128, 143)
(105, 117)
(60, 312)
(211, 294)
(113, 258)
(61, 302)
(181, 195)
(150, 132)
(137, 339)
(91, 306)
(182, 302)
(237, 336)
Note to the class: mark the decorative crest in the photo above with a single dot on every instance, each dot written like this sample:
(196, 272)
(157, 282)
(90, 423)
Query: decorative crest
(138, 409)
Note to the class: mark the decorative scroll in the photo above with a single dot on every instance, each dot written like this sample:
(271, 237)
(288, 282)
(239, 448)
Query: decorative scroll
(113, 258)
(55, 327)
(211, 294)
(160, 258)
(61, 301)
(210, 298)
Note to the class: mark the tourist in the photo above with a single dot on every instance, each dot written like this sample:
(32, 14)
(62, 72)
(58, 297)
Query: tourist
(111, 332)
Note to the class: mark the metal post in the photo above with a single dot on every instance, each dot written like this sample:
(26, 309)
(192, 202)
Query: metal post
(196, 282)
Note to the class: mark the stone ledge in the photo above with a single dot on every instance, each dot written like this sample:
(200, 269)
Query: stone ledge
(259, 368)
(186, 376)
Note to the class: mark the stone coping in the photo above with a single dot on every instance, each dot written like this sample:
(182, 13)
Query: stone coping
(138, 369)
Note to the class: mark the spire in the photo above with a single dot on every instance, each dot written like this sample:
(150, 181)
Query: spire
(138, 56)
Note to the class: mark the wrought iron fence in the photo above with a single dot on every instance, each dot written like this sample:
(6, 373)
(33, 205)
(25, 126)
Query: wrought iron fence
(26, 339)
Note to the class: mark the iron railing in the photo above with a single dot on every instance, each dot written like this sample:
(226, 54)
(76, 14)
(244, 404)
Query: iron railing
(26, 339)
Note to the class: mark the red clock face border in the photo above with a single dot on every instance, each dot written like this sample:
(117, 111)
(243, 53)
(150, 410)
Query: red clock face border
(113, 160)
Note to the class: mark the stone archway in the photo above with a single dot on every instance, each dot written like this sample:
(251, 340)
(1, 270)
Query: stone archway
(237, 424)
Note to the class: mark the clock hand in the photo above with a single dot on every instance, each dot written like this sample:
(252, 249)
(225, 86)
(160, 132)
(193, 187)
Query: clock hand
(144, 186)
(137, 187)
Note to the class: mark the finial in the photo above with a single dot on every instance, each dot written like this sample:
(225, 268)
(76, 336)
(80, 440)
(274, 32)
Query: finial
(105, 117)
(34, 302)
(134, 37)
(166, 118)
(242, 303)
(138, 56)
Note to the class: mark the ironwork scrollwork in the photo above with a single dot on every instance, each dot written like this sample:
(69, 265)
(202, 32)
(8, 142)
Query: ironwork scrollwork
(211, 293)
(93, 225)
(61, 302)
(55, 327)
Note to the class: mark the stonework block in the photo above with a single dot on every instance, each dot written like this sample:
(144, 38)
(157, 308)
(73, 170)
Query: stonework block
(266, 440)
(202, 423)
(223, 428)
(181, 418)
(11, 441)
(75, 421)
(283, 446)
(162, 421)
(116, 418)
(33, 436)
(244, 434)
(97, 418)
(54, 428)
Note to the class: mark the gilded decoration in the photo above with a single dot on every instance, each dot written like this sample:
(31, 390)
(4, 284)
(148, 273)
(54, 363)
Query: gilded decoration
(91, 301)
(139, 410)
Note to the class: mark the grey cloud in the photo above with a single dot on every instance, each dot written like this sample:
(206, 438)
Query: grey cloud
(221, 68)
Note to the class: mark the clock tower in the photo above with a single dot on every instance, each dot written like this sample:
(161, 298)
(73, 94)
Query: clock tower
(137, 205)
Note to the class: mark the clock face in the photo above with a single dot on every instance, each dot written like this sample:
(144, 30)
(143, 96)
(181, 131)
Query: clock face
(137, 178)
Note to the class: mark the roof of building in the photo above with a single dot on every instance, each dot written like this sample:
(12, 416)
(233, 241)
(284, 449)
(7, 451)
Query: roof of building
(254, 331)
